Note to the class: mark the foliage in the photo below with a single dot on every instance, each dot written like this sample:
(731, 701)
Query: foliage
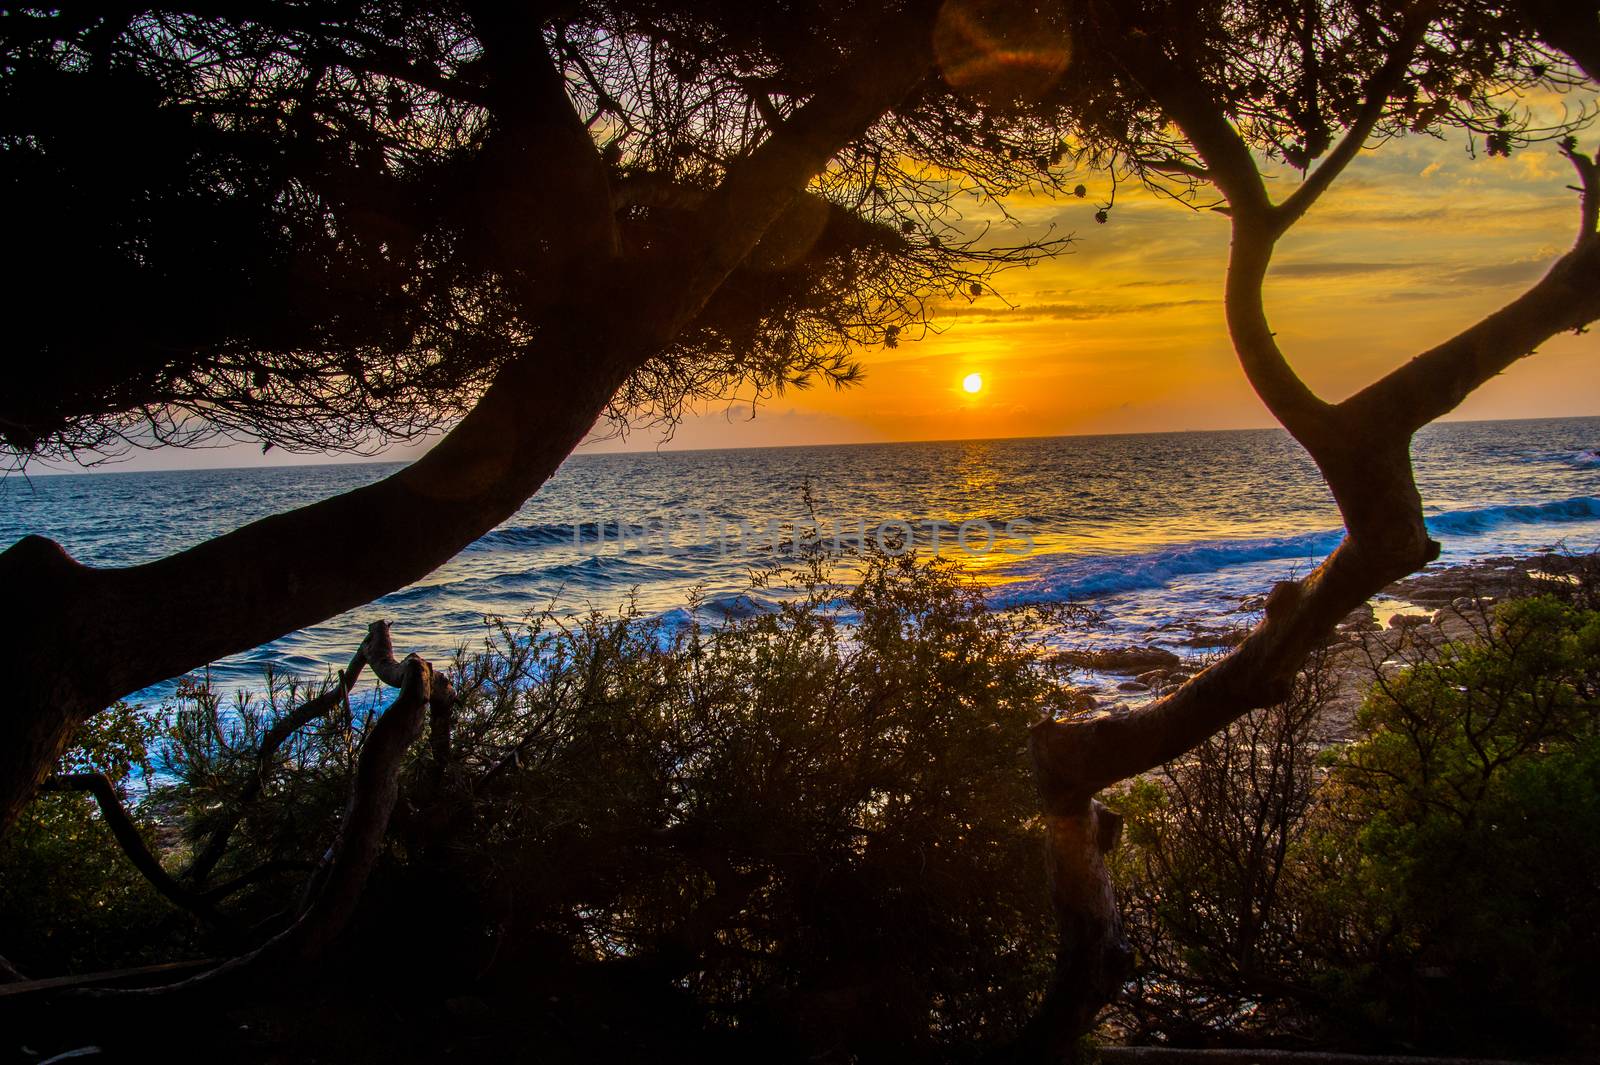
(812, 828)
(1465, 833)
(69, 900)
(318, 235)
(1436, 888)
(1201, 880)
(321, 236)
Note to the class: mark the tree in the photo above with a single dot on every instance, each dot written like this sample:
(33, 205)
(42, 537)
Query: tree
(671, 146)
(1309, 86)
(339, 224)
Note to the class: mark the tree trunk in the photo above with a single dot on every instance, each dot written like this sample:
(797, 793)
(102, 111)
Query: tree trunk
(83, 637)
(1093, 960)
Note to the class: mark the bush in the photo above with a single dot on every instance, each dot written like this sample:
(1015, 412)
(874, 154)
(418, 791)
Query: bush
(1462, 838)
(1436, 888)
(1202, 876)
(804, 830)
(69, 899)
(818, 834)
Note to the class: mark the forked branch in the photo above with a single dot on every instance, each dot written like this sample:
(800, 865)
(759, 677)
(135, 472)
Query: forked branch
(342, 876)
(1379, 91)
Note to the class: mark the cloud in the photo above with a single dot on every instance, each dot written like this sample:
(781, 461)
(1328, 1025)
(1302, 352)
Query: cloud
(1335, 269)
(1062, 311)
(1517, 272)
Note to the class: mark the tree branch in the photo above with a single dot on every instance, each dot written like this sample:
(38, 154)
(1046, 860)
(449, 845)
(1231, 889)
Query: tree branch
(206, 860)
(342, 876)
(890, 60)
(1256, 230)
(1435, 382)
(236, 591)
(133, 844)
(1379, 90)
(1572, 26)
(549, 181)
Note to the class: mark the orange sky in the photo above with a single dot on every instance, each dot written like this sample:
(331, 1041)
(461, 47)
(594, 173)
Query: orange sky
(1124, 333)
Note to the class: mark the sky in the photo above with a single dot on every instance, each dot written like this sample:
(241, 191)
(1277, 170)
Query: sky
(1125, 333)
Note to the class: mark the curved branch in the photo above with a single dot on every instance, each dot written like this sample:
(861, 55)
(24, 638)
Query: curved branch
(1379, 89)
(1299, 409)
(342, 876)
(892, 58)
(132, 843)
(154, 621)
(1567, 298)
(254, 876)
(1256, 229)
(1187, 100)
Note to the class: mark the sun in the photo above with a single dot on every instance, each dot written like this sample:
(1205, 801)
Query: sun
(973, 382)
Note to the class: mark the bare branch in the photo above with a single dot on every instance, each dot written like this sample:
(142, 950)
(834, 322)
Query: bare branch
(1566, 298)
(342, 877)
(206, 860)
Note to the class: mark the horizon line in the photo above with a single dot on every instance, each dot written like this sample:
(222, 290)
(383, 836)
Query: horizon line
(578, 452)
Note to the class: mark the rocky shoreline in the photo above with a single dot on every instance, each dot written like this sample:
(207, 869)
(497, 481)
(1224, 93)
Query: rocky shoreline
(1439, 604)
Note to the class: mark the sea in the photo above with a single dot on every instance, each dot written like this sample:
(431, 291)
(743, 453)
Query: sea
(1162, 534)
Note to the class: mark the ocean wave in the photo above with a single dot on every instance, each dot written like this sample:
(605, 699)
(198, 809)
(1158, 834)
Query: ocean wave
(516, 536)
(1584, 458)
(1485, 519)
(1069, 578)
(537, 584)
(1078, 578)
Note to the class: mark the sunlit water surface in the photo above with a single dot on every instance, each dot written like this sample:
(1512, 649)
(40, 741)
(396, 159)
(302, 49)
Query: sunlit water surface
(1155, 530)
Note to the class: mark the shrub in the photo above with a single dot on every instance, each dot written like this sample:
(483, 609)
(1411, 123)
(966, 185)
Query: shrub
(1203, 873)
(1435, 887)
(1462, 836)
(69, 899)
(810, 828)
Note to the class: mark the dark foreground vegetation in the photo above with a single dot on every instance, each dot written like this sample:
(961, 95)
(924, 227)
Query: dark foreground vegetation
(788, 839)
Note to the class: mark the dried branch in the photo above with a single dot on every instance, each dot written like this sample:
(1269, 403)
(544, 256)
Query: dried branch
(208, 856)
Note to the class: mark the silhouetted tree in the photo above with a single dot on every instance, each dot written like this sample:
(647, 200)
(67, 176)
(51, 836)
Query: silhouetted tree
(334, 225)
(442, 211)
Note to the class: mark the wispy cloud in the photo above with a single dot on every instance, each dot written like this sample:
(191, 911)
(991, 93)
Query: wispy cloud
(1062, 311)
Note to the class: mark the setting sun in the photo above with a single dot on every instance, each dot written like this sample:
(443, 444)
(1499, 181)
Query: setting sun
(973, 382)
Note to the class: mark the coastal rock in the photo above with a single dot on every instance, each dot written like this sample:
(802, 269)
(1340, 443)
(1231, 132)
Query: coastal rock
(1132, 686)
(1130, 660)
(1215, 637)
(1362, 619)
(1409, 621)
(1082, 700)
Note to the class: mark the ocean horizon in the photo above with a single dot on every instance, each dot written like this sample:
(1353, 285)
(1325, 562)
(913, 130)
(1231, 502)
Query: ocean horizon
(1154, 530)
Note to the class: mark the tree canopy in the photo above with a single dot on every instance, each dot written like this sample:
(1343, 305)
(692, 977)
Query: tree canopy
(324, 226)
